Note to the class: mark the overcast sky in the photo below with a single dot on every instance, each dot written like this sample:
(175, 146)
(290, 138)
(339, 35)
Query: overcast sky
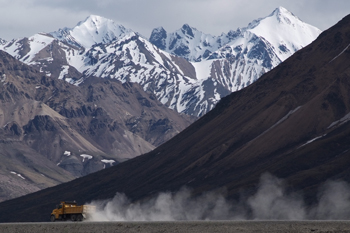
(23, 18)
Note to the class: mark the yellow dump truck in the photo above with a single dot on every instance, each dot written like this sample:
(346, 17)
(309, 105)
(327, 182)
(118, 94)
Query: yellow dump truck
(69, 210)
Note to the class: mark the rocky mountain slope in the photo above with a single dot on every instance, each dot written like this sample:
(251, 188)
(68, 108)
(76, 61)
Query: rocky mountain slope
(52, 131)
(215, 66)
(293, 123)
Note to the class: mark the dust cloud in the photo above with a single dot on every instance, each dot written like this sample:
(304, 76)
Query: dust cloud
(270, 202)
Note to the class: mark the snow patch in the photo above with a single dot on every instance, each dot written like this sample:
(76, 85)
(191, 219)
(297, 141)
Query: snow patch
(343, 120)
(68, 153)
(202, 69)
(280, 121)
(285, 117)
(106, 161)
(63, 72)
(3, 78)
(85, 156)
(312, 140)
(340, 53)
(37, 43)
(17, 174)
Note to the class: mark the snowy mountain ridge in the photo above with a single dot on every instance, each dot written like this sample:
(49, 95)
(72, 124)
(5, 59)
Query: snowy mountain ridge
(188, 42)
(196, 46)
(219, 64)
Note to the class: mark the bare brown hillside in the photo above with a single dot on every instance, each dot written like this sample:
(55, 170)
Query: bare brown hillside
(52, 132)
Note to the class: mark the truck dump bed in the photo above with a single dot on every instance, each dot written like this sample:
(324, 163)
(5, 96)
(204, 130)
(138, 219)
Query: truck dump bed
(74, 209)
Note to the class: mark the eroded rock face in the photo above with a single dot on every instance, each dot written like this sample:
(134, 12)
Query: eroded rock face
(76, 130)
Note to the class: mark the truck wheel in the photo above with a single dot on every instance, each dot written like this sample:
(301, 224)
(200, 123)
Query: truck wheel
(73, 217)
(80, 218)
(52, 218)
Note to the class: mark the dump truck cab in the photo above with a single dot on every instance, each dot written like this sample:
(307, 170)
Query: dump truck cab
(58, 211)
(69, 210)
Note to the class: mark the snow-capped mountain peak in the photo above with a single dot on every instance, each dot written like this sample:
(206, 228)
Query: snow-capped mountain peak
(284, 30)
(93, 30)
(279, 16)
(187, 30)
(95, 20)
(281, 12)
(158, 37)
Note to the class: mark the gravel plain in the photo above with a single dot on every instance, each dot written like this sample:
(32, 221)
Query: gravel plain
(179, 226)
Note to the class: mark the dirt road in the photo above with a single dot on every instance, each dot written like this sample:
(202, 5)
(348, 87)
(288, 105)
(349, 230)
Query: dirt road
(181, 227)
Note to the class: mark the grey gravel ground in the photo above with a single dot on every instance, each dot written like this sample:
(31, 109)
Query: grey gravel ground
(183, 227)
(200, 226)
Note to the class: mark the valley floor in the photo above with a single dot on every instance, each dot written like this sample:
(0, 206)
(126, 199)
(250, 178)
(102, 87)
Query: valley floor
(183, 227)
